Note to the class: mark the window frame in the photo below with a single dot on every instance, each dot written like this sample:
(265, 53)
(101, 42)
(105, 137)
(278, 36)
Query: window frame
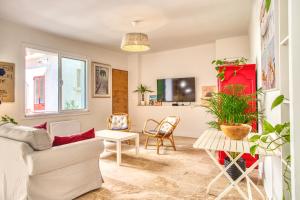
(61, 54)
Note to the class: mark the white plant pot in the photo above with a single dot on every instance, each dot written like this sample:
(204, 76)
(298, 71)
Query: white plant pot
(143, 103)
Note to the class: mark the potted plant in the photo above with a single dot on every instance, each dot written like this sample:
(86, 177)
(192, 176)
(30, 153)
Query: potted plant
(231, 109)
(142, 89)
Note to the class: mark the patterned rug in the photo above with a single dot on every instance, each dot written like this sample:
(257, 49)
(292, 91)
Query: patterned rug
(173, 175)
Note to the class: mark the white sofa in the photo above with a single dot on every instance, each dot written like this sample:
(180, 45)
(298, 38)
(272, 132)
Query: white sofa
(58, 173)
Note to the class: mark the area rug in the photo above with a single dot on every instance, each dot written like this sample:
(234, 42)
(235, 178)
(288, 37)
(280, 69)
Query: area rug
(172, 175)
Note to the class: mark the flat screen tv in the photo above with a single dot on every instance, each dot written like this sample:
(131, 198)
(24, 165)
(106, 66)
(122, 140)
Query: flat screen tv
(176, 89)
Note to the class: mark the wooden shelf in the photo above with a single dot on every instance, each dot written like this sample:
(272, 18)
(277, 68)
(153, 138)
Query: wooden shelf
(285, 41)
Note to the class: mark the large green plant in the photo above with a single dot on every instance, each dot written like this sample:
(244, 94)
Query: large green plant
(232, 106)
(142, 89)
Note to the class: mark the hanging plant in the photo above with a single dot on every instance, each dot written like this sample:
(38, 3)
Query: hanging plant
(274, 137)
(220, 66)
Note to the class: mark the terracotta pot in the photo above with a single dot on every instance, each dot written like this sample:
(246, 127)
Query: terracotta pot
(237, 132)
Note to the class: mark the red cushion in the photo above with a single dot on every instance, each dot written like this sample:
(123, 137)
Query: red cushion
(61, 140)
(41, 126)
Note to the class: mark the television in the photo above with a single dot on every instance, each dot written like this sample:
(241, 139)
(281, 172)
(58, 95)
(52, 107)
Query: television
(176, 89)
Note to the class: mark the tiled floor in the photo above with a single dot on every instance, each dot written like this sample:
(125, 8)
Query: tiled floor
(181, 174)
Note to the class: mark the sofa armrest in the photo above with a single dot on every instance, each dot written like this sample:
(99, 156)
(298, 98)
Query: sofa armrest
(40, 162)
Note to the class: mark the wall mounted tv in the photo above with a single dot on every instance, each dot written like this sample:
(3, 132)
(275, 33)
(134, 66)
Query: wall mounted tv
(176, 89)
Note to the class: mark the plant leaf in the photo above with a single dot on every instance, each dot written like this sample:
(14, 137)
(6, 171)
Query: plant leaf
(254, 138)
(253, 149)
(268, 128)
(277, 101)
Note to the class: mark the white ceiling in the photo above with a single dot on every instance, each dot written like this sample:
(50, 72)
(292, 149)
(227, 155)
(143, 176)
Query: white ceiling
(169, 23)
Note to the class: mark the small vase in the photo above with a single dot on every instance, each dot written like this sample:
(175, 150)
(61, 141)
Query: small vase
(143, 103)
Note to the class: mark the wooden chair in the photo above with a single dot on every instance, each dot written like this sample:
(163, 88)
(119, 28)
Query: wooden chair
(162, 130)
(119, 122)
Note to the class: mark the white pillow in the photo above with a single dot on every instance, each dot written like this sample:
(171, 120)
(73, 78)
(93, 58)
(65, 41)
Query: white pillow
(38, 139)
(119, 122)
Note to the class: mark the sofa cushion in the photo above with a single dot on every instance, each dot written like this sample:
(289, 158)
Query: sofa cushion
(61, 140)
(41, 126)
(38, 139)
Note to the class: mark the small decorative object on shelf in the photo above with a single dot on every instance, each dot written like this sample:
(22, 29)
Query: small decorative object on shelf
(142, 90)
(152, 99)
(220, 66)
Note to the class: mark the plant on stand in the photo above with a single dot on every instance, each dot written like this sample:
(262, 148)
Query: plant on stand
(142, 90)
(272, 138)
(233, 114)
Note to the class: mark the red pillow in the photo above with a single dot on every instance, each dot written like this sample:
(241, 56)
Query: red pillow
(41, 126)
(61, 140)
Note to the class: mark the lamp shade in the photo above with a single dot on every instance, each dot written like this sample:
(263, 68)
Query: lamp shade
(135, 42)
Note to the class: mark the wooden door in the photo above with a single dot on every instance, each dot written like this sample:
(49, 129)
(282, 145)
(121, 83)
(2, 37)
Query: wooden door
(119, 91)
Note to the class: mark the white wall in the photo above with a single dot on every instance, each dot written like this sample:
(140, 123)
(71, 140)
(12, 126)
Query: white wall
(13, 37)
(233, 47)
(294, 48)
(187, 62)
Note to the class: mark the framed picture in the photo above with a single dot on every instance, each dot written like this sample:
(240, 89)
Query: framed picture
(7, 82)
(207, 92)
(269, 61)
(101, 80)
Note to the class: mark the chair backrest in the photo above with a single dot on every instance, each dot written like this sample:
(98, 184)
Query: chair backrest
(169, 124)
(119, 121)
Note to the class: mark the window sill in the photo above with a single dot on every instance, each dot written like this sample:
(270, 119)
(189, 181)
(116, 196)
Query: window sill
(53, 115)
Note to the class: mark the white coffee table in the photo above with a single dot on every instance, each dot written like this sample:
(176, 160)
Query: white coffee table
(118, 137)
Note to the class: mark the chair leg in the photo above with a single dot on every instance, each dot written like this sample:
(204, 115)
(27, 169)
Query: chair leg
(157, 145)
(172, 142)
(146, 143)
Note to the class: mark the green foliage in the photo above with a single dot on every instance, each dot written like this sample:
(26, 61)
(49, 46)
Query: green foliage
(267, 5)
(142, 89)
(220, 66)
(232, 106)
(279, 100)
(71, 105)
(272, 138)
(7, 119)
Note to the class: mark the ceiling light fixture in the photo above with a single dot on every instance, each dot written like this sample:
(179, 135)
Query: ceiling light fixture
(135, 41)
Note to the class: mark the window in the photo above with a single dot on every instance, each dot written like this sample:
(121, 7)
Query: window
(54, 83)
(73, 79)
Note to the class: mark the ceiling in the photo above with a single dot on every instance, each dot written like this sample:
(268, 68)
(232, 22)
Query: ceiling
(170, 24)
